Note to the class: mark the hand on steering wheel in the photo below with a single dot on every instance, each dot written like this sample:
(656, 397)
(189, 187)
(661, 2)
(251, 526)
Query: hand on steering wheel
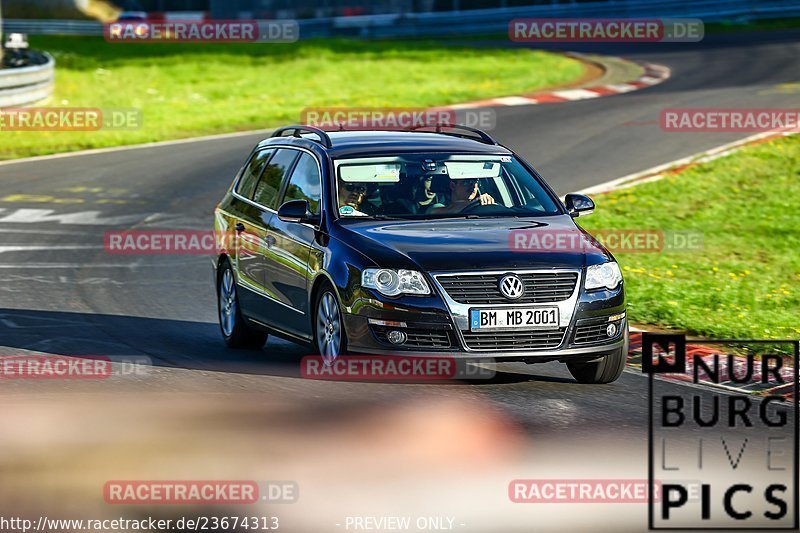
(481, 200)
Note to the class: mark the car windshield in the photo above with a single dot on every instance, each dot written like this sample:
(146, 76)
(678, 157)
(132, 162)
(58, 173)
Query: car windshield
(427, 186)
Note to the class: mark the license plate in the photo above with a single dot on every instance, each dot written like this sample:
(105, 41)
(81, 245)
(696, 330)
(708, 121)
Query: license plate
(516, 318)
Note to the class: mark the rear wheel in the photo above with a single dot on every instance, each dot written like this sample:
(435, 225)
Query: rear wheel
(605, 370)
(329, 333)
(235, 331)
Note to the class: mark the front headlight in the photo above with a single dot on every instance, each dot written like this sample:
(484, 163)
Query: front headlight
(393, 282)
(605, 276)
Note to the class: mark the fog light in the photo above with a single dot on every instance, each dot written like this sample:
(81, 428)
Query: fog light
(611, 330)
(396, 337)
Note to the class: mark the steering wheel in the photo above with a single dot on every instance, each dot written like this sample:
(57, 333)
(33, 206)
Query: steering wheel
(476, 204)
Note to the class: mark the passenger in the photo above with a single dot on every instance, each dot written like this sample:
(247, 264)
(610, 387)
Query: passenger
(423, 197)
(412, 197)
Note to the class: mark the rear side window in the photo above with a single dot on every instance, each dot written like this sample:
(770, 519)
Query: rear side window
(305, 182)
(251, 173)
(270, 182)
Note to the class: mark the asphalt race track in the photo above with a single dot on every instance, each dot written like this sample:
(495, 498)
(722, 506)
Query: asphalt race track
(61, 293)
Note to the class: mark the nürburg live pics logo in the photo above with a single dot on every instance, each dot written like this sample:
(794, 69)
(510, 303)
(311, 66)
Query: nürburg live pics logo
(723, 433)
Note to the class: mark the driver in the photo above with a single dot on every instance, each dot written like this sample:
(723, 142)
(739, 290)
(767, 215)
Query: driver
(464, 192)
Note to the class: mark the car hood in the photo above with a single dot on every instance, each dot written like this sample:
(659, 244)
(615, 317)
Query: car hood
(474, 244)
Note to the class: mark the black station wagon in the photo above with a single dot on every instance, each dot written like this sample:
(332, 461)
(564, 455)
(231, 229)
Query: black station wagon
(432, 241)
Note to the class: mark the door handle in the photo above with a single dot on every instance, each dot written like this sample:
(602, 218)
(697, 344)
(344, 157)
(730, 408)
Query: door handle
(239, 227)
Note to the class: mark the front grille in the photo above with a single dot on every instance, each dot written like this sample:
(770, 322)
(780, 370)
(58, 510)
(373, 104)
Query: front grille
(416, 338)
(514, 340)
(591, 333)
(483, 289)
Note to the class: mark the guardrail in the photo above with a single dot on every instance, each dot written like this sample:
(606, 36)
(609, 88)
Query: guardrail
(481, 20)
(26, 85)
(52, 27)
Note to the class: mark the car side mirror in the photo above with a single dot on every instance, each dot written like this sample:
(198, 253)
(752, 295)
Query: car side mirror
(297, 211)
(579, 205)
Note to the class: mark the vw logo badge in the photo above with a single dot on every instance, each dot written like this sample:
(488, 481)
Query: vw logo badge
(512, 287)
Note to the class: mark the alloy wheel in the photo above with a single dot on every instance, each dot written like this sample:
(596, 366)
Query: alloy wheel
(329, 328)
(227, 303)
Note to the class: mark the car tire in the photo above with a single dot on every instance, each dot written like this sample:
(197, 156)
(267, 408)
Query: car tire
(234, 328)
(330, 339)
(605, 370)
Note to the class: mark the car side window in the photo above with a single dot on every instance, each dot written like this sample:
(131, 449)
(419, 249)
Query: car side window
(247, 182)
(270, 183)
(304, 184)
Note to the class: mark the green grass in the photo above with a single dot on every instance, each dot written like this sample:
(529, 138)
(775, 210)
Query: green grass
(745, 282)
(188, 89)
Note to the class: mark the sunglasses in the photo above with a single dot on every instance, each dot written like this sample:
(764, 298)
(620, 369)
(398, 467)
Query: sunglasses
(354, 187)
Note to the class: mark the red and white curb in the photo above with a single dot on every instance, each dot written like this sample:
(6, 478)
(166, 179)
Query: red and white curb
(653, 75)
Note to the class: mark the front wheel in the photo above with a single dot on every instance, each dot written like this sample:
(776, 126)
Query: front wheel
(605, 370)
(235, 331)
(328, 328)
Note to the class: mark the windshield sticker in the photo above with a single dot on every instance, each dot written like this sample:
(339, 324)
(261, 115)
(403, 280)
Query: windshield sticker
(346, 210)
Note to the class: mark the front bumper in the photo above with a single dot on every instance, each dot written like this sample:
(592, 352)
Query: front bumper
(435, 329)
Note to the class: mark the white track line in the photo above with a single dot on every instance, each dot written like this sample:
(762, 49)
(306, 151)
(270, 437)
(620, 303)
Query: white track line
(112, 149)
(47, 247)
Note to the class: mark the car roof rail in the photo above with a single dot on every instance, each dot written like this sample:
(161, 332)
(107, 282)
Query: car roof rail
(296, 130)
(482, 136)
